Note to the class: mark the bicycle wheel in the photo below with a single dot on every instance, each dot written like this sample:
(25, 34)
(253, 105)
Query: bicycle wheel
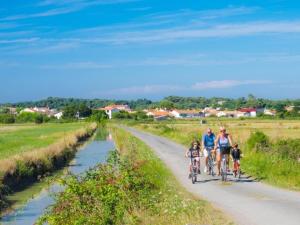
(224, 170)
(211, 167)
(212, 171)
(225, 179)
(194, 176)
(239, 174)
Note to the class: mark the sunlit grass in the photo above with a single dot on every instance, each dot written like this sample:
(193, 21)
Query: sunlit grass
(16, 139)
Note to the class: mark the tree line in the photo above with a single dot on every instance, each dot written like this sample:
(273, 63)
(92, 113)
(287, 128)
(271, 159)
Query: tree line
(167, 102)
(86, 108)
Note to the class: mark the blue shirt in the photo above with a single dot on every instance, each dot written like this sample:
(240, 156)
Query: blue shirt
(209, 140)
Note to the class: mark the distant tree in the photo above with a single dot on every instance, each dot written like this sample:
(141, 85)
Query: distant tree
(280, 107)
(98, 116)
(70, 111)
(165, 104)
(122, 115)
(4, 110)
(84, 110)
(140, 115)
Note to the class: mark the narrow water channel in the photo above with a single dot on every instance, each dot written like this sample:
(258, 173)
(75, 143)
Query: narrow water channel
(91, 154)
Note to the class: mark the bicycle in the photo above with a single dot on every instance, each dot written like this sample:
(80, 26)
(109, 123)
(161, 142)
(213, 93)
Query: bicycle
(224, 167)
(194, 171)
(237, 169)
(211, 163)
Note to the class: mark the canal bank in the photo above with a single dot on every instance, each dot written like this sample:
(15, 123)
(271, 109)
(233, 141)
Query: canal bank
(88, 156)
(23, 170)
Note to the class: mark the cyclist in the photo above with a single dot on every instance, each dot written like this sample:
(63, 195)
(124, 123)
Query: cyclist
(223, 145)
(208, 144)
(236, 155)
(193, 153)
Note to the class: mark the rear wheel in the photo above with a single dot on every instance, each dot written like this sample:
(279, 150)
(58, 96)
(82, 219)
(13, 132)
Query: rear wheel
(239, 174)
(212, 172)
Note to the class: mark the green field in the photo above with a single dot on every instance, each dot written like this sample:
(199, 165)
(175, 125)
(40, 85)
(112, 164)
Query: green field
(270, 165)
(16, 139)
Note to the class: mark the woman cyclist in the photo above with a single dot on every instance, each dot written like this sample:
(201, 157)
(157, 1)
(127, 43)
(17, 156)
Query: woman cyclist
(223, 145)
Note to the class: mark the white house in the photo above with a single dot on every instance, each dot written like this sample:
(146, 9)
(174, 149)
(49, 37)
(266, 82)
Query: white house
(109, 110)
(28, 110)
(208, 111)
(230, 114)
(186, 113)
(158, 114)
(58, 115)
(270, 112)
(221, 114)
(246, 112)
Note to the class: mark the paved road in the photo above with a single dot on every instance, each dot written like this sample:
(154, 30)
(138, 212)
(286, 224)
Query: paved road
(248, 202)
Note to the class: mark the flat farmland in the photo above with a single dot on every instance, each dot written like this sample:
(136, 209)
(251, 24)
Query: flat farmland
(20, 138)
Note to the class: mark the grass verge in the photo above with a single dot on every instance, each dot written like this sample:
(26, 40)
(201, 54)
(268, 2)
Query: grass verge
(20, 138)
(134, 187)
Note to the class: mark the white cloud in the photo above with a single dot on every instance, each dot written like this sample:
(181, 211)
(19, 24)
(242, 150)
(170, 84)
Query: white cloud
(186, 32)
(51, 12)
(64, 7)
(23, 40)
(205, 14)
(147, 89)
(77, 65)
(155, 89)
(226, 84)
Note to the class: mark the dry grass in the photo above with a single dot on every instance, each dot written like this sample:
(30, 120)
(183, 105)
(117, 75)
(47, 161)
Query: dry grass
(239, 129)
(39, 156)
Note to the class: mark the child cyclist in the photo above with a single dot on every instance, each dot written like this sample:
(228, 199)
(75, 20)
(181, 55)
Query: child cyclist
(236, 155)
(194, 153)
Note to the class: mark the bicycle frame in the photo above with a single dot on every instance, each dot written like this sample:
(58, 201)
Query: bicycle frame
(211, 163)
(224, 167)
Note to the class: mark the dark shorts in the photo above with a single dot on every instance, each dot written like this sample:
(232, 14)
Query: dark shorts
(225, 150)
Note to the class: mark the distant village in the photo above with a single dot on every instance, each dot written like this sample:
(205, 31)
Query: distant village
(163, 114)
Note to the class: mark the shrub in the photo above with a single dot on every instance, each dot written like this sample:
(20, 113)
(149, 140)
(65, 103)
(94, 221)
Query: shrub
(7, 118)
(106, 195)
(258, 141)
(26, 117)
(39, 119)
(289, 148)
(98, 116)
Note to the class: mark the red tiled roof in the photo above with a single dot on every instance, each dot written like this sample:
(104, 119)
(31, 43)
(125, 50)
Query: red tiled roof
(159, 113)
(247, 110)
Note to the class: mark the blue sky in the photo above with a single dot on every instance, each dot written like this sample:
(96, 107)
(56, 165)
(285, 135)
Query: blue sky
(128, 49)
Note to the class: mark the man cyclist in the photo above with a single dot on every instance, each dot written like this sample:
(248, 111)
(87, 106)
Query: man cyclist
(193, 153)
(208, 144)
(223, 145)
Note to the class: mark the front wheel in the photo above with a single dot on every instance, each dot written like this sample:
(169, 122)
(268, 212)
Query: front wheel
(194, 179)
(224, 171)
